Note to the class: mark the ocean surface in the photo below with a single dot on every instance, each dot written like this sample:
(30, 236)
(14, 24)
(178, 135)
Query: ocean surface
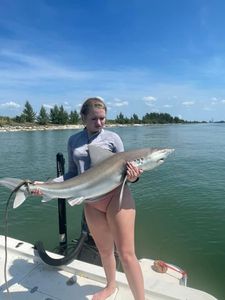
(180, 205)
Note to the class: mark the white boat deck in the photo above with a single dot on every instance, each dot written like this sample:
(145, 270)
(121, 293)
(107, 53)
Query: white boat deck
(31, 279)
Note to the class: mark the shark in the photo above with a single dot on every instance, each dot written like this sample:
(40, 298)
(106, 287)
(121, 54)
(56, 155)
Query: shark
(107, 172)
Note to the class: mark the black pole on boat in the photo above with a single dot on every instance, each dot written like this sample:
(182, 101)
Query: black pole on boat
(63, 249)
(60, 164)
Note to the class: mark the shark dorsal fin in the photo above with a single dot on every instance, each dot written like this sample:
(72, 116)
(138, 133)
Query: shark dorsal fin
(98, 154)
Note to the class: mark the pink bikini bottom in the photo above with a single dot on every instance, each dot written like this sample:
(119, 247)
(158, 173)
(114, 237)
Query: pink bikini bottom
(103, 202)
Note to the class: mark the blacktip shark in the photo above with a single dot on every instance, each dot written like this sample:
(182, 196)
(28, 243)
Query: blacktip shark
(107, 172)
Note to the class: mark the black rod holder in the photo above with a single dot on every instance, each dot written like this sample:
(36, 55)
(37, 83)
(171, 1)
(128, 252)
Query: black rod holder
(60, 164)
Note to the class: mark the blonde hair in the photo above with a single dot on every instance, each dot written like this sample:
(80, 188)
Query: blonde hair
(92, 103)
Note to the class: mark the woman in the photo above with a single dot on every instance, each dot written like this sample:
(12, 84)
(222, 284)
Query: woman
(107, 223)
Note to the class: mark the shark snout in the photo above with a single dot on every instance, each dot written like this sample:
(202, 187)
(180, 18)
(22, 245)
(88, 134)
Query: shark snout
(162, 154)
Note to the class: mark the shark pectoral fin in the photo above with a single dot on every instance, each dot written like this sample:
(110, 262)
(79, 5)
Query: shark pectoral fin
(19, 198)
(121, 192)
(75, 201)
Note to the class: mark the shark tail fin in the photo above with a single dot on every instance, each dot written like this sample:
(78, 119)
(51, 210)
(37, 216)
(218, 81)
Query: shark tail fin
(22, 191)
(18, 186)
(19, 198)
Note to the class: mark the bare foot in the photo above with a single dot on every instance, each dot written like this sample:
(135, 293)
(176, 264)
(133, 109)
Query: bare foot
(104, 293)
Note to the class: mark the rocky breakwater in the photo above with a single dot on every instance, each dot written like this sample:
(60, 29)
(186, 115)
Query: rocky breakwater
(13, 128)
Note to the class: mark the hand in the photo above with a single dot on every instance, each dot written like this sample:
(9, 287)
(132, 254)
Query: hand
(37, 192)
(133, 172)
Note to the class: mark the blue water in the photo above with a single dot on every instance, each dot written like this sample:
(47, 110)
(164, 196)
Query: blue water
(180, 205)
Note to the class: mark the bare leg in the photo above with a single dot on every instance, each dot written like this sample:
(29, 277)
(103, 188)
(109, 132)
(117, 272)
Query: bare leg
(100, 231)
(121, 223)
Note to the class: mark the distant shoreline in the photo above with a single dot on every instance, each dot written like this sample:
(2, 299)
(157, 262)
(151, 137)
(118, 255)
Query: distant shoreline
(15, 128)
(35, 127)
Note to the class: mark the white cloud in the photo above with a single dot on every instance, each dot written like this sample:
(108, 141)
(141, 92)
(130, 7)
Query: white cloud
(10, 105)
(214, 101)
(122, 103)
(188, 103)
(27, 68)
(149, 100)
(118, 103)
(48, 106)
(207, 108)
(67, 105)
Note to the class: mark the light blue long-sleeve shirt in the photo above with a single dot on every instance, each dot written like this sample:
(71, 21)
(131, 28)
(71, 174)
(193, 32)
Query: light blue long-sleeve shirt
(78, 157)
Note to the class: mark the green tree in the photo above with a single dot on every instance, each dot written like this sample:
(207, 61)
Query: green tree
(165, 118)
(160, 118)
(134, 119)
(147, 119)
(54, 115)
(178, 120)
(43, 117)
(58, 115)
(19, 119)
(63, 116)
(74, 117)
(28, 113)
(120, 119)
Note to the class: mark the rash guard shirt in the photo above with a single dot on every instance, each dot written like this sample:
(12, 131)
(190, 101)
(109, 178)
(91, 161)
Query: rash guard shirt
(78, 157)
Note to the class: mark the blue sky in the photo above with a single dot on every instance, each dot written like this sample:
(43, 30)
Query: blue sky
(139, 55)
